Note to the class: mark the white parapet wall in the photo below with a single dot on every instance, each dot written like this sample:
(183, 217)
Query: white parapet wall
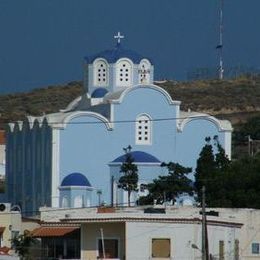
(56, 214)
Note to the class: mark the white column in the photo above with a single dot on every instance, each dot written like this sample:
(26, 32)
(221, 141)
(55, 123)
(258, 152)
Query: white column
(55, 167)
(227, 143)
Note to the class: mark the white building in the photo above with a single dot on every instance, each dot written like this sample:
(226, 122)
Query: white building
(158, 233)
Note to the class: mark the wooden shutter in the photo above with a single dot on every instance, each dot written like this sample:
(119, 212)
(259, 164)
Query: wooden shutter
(161, 247)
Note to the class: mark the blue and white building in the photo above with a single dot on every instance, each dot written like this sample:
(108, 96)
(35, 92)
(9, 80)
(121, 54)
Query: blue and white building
(121, 106)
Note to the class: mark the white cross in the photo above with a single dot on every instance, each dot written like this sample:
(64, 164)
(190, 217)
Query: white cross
(119, 37)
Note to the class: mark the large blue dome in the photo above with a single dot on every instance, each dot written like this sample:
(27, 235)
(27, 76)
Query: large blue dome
(139, 157)
(76, 179)
(112, 56)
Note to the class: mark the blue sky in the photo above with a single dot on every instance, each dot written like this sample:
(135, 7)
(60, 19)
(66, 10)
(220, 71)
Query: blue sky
(43, 42)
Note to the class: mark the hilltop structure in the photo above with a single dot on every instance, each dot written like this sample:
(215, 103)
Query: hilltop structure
(72, 158)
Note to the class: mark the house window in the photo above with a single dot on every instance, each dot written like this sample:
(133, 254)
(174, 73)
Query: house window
(110, 249)
(124, 73)
(255, 248)
(144, 71)
(161, 247)
(221, 250)
(143, 130)
(100, 73)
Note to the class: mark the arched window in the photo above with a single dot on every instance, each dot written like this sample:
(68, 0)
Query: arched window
(124, 73)
(144, 71)
(100, 73)
(78, 202)
(64, 202)
(143, 129)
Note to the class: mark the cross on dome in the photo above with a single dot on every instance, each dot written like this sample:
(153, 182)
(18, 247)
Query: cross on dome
(119, 37)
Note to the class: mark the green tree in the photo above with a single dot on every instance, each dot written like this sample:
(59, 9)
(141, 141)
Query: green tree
(228, 183)
(129, 180)
(251, 127)
(241, 183)
(169, 186)
(206, 166)
(210, 172)
(22, 244)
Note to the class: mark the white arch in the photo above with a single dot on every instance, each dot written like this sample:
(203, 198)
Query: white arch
(76, 114)
(144, 70)
(221, 125)
(72, 104)
(121, 95)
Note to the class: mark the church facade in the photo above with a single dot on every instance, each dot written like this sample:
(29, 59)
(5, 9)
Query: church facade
(68, 158)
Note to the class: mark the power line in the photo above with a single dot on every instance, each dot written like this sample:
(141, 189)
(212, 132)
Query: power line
(123, 121)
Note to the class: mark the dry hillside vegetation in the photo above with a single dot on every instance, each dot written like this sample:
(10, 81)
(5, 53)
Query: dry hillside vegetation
(228, 99)
(236, 100)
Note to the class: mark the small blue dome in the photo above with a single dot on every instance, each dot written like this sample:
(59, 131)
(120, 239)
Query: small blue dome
(139, 157)
(75, 179)
(112, 56)
(99, 93)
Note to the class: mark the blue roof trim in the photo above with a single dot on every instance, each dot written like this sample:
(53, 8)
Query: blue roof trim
(139, 157)
(76, 179)
(99, 93)
(112, 56)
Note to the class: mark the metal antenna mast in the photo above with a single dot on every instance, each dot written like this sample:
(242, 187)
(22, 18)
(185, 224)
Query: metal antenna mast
(220, 45)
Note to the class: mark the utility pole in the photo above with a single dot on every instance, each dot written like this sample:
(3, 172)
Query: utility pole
(112, 191)
(204, 237)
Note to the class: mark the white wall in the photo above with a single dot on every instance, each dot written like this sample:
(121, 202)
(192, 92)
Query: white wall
(182, 235)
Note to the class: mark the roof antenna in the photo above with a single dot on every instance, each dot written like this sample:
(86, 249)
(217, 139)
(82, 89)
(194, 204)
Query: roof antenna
(220, 45)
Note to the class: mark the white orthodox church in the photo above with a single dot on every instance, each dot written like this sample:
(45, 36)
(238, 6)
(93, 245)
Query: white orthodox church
(72, 158)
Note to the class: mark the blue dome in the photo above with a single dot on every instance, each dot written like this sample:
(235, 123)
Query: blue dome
(139, 157)
(75, 179)
(99, 93)
(112, 56)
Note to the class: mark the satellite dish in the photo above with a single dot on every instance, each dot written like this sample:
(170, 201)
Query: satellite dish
(2, 207)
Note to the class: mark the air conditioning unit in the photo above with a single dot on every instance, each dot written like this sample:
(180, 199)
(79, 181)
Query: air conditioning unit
(5, 207)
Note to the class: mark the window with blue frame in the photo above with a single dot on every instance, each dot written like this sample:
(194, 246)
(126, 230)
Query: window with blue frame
(255, 248)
